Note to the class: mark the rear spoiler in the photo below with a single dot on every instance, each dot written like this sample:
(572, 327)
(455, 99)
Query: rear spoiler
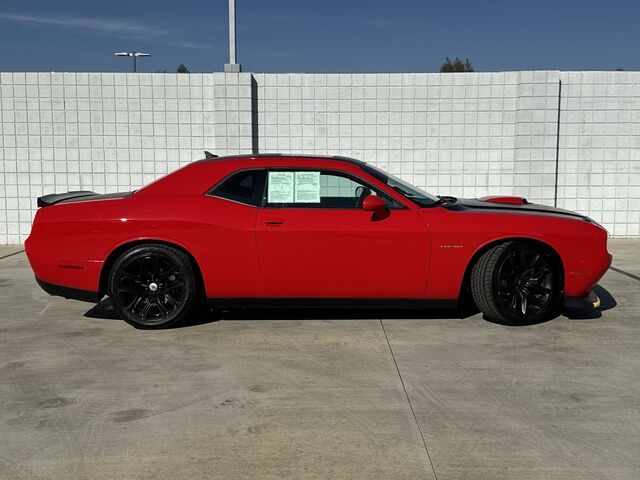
(54, 198)
(79, 196)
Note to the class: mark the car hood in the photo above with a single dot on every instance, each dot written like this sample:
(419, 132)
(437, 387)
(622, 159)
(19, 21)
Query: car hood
(509, 205)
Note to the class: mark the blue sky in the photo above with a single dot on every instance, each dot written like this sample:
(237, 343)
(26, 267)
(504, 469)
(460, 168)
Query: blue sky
(320, 36)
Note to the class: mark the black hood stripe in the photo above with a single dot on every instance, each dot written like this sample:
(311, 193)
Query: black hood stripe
(464, 204)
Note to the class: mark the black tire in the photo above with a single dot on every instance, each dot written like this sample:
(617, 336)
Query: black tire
(517, 283)
(153, 286)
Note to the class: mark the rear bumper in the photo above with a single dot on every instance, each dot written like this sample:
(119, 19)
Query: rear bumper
(76, 275)
(69, 292)
(582, 303)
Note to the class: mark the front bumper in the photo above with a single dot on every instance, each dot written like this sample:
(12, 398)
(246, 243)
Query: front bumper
(582, 303)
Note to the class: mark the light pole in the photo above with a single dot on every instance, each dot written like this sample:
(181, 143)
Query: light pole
(232, 66)
(134, 55)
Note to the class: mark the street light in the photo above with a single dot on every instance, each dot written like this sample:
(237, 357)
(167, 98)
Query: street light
(134, 56)
(233, 65)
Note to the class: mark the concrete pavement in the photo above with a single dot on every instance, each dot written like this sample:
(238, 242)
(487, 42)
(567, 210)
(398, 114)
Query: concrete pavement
(318, 394)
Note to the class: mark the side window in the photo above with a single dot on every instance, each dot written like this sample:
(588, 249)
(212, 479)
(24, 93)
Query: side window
(244, 187)
(318, 189)
(341, 192)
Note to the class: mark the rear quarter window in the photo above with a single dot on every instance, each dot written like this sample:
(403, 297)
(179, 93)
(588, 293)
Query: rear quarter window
(243, 187)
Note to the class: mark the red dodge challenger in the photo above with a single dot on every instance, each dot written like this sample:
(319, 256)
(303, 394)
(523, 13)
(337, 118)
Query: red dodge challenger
(323, 231)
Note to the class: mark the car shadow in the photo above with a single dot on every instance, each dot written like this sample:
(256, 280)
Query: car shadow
(104, 311)
(338, 314)
(607, 302)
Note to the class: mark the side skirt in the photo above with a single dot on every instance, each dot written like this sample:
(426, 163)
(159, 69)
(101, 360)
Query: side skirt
(406, 303)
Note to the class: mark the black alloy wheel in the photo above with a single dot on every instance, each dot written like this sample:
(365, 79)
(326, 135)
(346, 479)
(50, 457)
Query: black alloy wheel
(517, 283)
(525, 283)
(152, 286)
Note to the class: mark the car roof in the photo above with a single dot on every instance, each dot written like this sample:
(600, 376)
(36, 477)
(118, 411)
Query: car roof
(199, 176)
(353, 161)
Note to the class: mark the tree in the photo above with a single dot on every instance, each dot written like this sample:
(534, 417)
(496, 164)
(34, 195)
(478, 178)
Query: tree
(456, 66)
(182, 68)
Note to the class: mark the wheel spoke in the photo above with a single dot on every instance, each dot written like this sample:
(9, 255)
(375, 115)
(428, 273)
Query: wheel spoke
(536, 302)
(145, 310)
(523, 303)
(136, 301)
(171, 301)
(162, 308)
(125, 289)
(141, 265)
(514, 302)
(543, 272)
(147, 264)
(132, 278)
(534, 261)
(175, 284)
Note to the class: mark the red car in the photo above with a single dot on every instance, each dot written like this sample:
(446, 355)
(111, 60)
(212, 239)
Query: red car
(324, 231)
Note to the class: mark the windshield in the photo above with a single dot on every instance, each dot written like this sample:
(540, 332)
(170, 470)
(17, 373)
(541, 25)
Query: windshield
(414, 194)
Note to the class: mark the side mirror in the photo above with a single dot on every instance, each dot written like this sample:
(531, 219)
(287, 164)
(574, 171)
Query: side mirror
(375, 205)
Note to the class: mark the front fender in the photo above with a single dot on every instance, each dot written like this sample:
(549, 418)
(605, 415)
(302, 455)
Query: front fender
(458, 238)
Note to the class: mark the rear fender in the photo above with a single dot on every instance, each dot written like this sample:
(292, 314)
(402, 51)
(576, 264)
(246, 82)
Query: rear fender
(121, 247)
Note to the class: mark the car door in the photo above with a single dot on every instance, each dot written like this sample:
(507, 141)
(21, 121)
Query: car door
(315, 241)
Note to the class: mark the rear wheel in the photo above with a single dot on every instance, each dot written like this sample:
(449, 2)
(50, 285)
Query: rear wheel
(152, 286)
(517, 283)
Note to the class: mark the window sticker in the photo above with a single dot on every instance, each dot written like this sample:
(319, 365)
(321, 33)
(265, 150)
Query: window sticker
(307, 187)
(280, 187)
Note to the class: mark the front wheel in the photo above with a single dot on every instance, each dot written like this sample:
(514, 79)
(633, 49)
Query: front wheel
(517, 283)
(152, 286)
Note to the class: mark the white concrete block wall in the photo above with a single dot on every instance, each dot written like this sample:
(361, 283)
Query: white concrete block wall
(536, 136)
(109, 132)
(461, 134)
(600, 148)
